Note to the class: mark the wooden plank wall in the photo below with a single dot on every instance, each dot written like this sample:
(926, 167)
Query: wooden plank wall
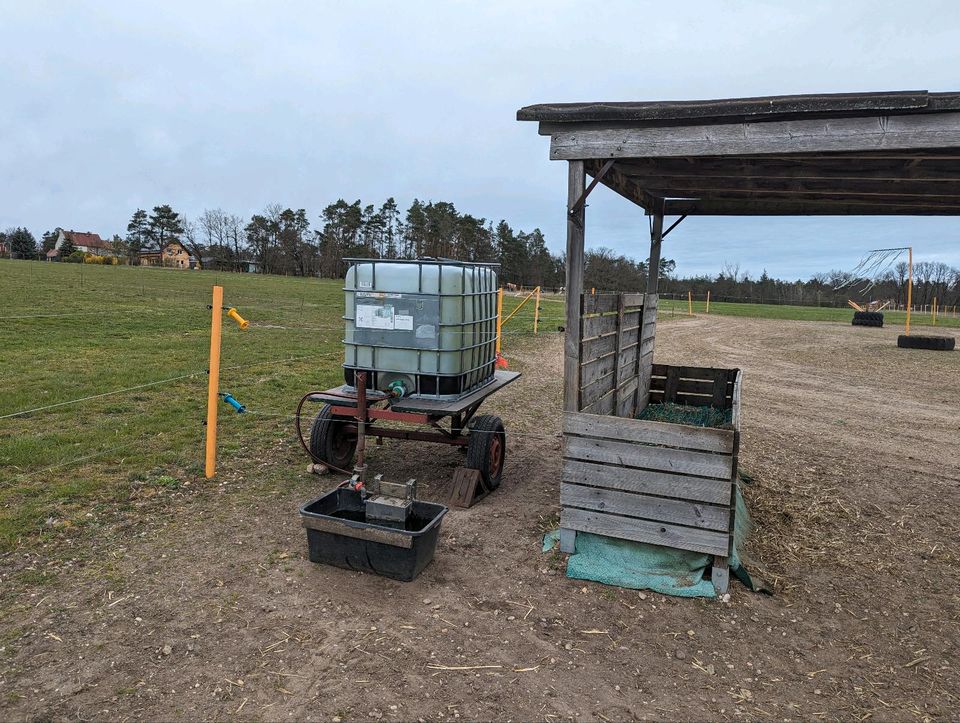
(695, 386)
(654, 482)
(616, 352)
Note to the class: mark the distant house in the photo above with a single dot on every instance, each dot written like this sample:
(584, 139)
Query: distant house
(85, 241)
(4, 248)
(173, 255)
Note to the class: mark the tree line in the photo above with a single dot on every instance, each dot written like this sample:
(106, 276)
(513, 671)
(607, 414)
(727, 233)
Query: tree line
(283, 240)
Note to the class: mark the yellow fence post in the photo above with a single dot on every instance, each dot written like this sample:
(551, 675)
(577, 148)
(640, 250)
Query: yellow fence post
(708, 301)
(499, 315)
(909, 289)
(213, 381)
(536, 312)
(689, 303)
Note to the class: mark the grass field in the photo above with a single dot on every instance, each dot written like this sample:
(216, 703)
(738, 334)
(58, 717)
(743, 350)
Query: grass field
(800, 313)
(131, 344)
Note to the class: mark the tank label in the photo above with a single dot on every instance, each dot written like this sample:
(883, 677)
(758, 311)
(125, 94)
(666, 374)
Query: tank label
(403, 322)
(375, 317)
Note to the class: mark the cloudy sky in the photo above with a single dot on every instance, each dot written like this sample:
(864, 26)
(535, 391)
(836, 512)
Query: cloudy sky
(110, 106)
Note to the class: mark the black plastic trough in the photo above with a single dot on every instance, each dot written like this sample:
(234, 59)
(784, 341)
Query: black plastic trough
(337, 534)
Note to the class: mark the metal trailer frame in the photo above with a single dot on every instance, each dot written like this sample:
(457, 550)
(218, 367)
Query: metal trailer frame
(366, 408)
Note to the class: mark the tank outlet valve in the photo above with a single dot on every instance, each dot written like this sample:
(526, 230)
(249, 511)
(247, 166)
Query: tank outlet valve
(397, 388)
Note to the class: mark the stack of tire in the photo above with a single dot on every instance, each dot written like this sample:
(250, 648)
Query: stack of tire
(868, 318)
(934, 343)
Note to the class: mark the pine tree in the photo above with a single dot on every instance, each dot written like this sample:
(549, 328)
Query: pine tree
(164, 226)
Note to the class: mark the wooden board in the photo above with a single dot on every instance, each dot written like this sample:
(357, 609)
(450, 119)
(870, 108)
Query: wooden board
(664, 484)
(664, 459)
(679, 436)
(655, 509)
(656, 533)
(877, 133)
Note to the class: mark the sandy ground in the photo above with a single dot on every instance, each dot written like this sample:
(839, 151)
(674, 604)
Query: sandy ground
(204, 605)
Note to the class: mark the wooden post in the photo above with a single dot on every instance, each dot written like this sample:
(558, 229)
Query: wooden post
(933, 311)
(656, 237)
(909, 288)
(499, 315)
(576, 182)
(689, 303)
(536, 312)
(708, 301)
(213, 380)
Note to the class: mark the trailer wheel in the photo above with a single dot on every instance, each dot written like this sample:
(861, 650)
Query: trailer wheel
(330, 441)
(487, 448)
(934, 343)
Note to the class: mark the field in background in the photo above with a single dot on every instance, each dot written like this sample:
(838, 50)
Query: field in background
(801, 313)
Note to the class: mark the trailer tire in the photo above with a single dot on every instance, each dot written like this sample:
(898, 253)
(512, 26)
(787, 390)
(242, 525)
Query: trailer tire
(487, 449)
(933, 343)
(330, 442)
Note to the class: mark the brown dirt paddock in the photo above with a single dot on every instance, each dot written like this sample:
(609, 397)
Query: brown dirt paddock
(203, 605)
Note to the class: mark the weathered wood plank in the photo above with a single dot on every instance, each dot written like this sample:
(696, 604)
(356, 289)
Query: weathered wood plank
(599, 303)
(692, 386)
(735, 420)
(686, 372)
(671, 384)
(576, 182)
(594, 326)
(664, 459)
(726, 207)
(864, 133)
(693, 400)
(632, 300)
(663, 484)
(680, 436)
(596, 369)
(598, 389)
(603, 405)
(721, 388)
(655, 509)
(656, 533)
(599, 347)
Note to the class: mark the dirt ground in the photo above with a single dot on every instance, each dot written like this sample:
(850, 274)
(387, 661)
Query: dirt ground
(204, 605)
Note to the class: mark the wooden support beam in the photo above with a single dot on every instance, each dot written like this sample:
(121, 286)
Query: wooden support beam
(576, 180)
(749, 207)
(819, 167)
(656, 236)
(867, 189)
(865, 133)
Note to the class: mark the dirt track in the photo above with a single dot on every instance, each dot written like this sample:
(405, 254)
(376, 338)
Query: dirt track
(210, 609)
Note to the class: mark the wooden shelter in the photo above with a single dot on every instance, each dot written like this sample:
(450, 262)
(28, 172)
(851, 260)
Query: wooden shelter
(894, 153)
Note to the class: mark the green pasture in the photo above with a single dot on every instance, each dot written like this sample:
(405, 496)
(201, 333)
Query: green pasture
(679, 307)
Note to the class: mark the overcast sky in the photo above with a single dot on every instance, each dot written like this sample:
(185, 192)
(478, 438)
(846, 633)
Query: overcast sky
(110, 106)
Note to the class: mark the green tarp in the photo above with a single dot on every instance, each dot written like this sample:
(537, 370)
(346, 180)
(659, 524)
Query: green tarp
(641, 566)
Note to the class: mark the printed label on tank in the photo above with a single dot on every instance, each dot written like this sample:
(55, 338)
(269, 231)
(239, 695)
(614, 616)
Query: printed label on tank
(403, 322)
(375, 317)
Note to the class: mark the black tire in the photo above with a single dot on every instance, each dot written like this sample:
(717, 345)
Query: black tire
(867, 318)
(933, 343)
(330, 441)
(487, 448)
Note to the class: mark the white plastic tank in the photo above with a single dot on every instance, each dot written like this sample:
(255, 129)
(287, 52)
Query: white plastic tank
(423, 328)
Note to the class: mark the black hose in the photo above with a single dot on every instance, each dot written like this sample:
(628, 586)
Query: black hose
(303, 442)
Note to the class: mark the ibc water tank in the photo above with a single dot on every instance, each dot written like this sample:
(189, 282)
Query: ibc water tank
(423, 328)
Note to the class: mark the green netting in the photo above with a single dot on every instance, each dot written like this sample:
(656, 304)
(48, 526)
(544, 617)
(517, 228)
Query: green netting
(686, 414)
